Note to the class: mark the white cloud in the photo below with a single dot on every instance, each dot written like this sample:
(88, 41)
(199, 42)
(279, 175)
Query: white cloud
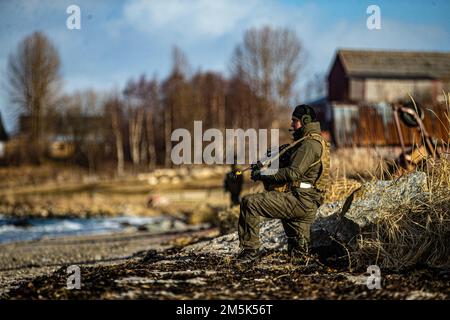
(199, 18)
(207, 30)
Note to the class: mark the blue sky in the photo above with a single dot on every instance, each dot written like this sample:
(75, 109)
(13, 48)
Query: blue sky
(122, 39)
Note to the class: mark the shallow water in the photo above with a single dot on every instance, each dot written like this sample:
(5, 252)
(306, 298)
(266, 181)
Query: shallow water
(14, 229)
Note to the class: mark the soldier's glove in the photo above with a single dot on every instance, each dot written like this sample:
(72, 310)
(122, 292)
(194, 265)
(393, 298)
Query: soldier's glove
(256, 175)
(256, 171)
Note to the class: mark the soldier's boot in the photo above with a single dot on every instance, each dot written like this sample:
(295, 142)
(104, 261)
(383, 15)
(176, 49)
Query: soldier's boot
(297, 245)
(248, 256)
(298, 250)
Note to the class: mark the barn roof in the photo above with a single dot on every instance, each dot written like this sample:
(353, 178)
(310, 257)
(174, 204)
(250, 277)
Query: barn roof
(401, 64)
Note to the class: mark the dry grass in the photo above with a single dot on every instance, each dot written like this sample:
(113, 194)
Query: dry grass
(418, 232)
(360, 163)
(61, 192)
(77, 204)
(340, 189)
(11, 177)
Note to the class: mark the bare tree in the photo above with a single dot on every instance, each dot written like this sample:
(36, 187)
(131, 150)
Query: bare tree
(84, 124)
(135, 112)
(209, 90)
(177, 97)
(143, 101)
(167, 134)
(180, 63)
(114, 109)
(152, 107)
(33, 74)
(269, 60)
(136, 126)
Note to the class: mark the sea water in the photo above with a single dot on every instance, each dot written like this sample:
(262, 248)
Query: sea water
(18, 229)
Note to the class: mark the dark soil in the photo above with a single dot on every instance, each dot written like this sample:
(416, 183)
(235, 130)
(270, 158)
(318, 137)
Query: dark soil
(172, 274)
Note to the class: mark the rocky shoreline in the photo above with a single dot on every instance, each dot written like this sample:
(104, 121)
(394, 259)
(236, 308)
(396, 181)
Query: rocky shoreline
(166, 267)
(21, 262)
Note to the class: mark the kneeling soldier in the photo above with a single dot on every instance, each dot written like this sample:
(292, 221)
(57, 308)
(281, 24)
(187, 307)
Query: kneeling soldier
(293, 194)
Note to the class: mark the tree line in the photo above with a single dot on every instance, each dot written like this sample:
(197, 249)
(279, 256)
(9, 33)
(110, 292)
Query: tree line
(131, 127)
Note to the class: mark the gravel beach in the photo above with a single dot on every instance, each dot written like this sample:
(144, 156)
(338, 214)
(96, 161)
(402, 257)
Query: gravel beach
(23, 261)
(148, 266)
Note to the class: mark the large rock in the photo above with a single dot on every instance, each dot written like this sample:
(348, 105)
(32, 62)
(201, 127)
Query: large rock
(383, 196)
(337, 224)
(336, 233)
(273, 238)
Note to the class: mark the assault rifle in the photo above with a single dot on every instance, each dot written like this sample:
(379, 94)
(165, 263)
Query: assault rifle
(268, 161)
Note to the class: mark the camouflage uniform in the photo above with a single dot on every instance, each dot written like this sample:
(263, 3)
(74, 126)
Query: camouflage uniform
(297, 207)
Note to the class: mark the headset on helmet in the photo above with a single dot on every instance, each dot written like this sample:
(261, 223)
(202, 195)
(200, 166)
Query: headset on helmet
(305, 119)
(304, 113)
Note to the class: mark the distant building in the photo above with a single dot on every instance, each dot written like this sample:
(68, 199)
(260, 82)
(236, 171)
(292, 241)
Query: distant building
(387, 76)
(63, 135)
(61, 147)
(362, 85)
(3, 138)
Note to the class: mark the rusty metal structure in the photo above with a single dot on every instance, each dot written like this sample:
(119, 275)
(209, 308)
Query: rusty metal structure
(363, 87)
(412, 116)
